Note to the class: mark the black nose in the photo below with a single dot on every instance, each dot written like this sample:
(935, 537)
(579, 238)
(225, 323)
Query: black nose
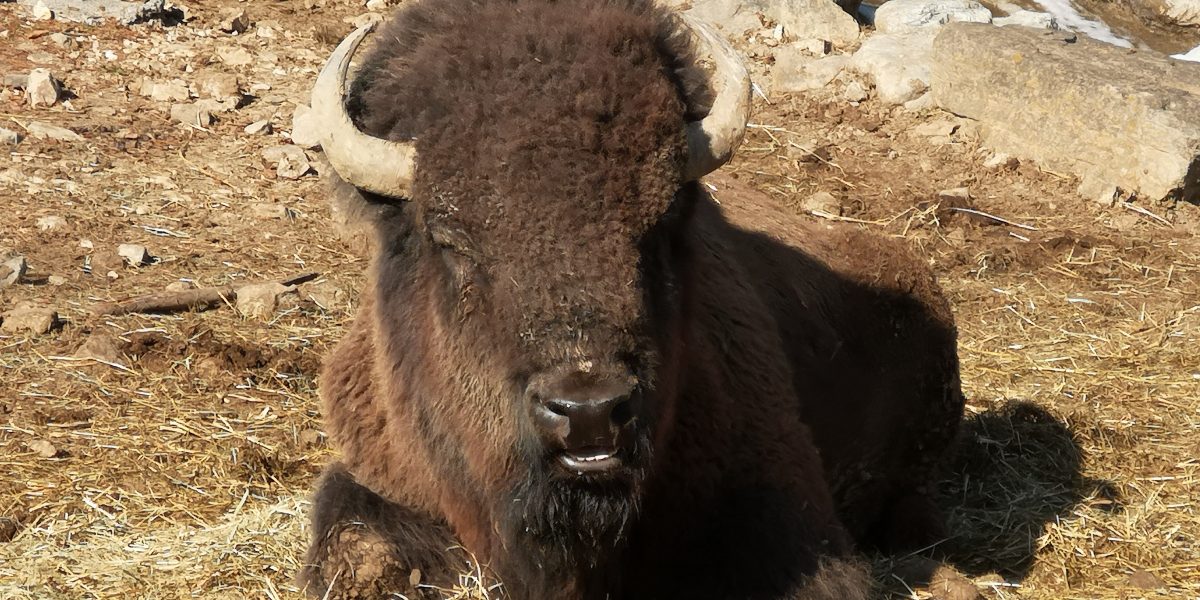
(573, 416)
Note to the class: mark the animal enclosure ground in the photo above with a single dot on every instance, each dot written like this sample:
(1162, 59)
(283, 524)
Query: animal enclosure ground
(182, 470)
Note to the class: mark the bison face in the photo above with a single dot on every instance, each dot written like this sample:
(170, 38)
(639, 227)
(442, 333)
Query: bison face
(532, 273)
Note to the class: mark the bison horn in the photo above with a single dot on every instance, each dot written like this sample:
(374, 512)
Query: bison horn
(386, 168)
(369, 163)
(712, 140)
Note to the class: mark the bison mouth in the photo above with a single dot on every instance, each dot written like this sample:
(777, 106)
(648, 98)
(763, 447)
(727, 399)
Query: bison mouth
(591, 460)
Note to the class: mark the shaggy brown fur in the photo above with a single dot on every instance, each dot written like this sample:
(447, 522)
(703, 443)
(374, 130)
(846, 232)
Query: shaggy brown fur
(799, 384)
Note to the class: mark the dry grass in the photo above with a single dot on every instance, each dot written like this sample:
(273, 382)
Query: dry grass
(183, 472)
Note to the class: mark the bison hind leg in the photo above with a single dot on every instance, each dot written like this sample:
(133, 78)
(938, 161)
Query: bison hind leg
(364, 546)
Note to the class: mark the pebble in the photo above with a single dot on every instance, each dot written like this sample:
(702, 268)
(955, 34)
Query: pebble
(50, 222)
(1001, 160)
(102, 347)
(290, 161)
(45, 131)
(235, 56)
(43, 448)
(43, 89)
(41, 12)
(56, 280)
(175, 90)
(822, 203)
(191, 114)
(855, 92)
(29, 317)
(305, 128)
(262, 127)
(12, 270)
(134, 254)
(10, 137)
(260, 300)
(955, 196)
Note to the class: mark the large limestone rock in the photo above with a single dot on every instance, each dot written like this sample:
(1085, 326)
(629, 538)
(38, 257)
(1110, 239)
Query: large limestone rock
(1109, 115)
(1182, 12)
(800, 19)
(904, 16)
(899, 64)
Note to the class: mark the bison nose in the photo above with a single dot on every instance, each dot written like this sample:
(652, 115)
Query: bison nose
(577, 417)
(583, 423)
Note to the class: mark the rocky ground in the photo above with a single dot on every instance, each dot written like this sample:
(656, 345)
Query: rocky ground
(163, 456)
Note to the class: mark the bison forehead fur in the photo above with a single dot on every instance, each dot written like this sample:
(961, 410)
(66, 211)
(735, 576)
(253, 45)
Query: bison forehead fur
(797, 386)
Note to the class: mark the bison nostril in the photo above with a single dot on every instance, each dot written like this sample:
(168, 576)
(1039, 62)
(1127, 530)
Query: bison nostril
(559, 407)
(622, 413)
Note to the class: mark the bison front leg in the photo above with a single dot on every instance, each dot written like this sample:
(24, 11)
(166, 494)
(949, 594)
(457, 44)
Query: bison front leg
(364, 546)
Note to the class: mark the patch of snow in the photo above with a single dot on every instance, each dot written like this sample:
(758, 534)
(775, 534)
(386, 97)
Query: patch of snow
(1069, 18)
(1192, 55)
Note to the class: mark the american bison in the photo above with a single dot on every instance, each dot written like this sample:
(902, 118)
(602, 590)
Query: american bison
(573, 363)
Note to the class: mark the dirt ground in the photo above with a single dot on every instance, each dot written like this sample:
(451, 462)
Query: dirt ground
(180, 466)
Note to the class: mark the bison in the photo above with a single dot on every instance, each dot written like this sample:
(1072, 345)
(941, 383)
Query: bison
(574, 364)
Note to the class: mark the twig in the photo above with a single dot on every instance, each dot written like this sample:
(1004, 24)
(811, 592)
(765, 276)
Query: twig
(201, 299)
(980, 213)
(1137, 209)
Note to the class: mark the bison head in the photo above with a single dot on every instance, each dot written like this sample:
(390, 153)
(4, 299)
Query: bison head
(534, 176)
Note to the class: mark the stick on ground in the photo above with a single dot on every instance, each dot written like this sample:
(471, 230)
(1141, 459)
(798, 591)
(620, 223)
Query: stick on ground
(199, 299)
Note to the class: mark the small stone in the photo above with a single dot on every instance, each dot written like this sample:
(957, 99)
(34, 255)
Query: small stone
(62, 40)
(266, 33)
(260, 300)
(175, 90)
(43, 448)
(134, 254)
(940, 128)
(234, 20)
(377, 4)
(219, 86)
(12, 271)
(10, 137)
(43, 90)
(44, 131)
(326, 294)
(29, 317)
(102, 347)
(191, 114)
(955, 196)
(305, 128)
(41, 12)
(50, 222)
(1002, 161)
(262, 127)
(291, 162)
(56, 280)
(180, 286)
(16, 80)
(855, 92)
(86, 244)
(822, 204)
(235, 56)
(270, 210)
(1145, 580)
(1104, 193)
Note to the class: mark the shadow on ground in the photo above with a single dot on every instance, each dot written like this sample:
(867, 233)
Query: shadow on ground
(1016, 470)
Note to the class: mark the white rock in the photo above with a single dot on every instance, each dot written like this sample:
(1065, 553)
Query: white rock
(101, 346)
(854, 92)
(41, 12)
(305, 128)
(262, 127)
(12, 270)
(45, 131)
(261, 299)
(180, 286)
(175, 90)
(822, 204)
(797, 72)
(800, 19)
(29, 317)
(86, 244)
(377, 4)
(134, 254)
(899, 64)
(235, 56)
(1028, 18)
(50, 222)
(219, 86)
(56, 280)
(291, 161)
(42, 89)
(902, 16)
(1001, 160)
(10, 137)
(191, 114)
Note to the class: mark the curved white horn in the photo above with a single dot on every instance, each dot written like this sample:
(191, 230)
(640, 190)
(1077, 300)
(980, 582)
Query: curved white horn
(712, 140)
(370, 163)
